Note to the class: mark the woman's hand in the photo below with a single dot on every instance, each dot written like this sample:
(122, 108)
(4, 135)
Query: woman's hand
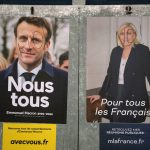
(93, 98)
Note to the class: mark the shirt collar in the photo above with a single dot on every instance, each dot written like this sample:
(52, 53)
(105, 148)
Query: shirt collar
(21, 70)
(46, 67)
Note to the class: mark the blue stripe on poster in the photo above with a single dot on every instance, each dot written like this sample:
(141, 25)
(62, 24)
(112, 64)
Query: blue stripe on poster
(124, 136)
(121, 2)
(37, 2)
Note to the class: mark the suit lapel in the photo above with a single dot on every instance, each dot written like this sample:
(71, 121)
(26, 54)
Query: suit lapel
(129, 71)
(130, 61)
(117, 61)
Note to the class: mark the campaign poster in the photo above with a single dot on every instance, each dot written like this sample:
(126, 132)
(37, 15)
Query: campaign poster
(115, 2)
(34, 69)
(18, 136)
(118, 73)
(124, 136)
(37, 2)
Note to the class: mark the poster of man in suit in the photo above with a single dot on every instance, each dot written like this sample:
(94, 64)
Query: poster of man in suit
(32, 87)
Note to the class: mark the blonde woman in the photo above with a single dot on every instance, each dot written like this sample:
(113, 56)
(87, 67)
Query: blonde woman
(3, 63)
(124, 85)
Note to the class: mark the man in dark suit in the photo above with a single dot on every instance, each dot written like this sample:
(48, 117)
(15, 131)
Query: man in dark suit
(31, 89)
(64, 61)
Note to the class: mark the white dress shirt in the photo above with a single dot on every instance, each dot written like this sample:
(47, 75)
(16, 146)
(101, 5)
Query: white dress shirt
(21, 70)
(121, 71)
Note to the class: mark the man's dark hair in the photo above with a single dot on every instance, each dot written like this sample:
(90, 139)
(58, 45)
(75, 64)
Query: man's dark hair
(63, 57)
(37, 21)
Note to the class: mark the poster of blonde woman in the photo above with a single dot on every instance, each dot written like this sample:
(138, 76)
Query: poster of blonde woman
(118, 74)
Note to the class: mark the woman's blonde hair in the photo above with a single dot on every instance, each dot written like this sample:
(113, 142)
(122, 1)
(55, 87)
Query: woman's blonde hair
(124, 25)
(3, 63)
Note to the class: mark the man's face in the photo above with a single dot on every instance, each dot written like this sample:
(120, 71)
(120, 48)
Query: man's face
(65, 65)
(31, 45)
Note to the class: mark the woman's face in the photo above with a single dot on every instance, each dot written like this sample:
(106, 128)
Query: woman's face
(127, 36)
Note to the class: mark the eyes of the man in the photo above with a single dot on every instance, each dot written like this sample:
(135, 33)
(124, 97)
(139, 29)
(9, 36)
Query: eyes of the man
(35, 40)
(66, 67)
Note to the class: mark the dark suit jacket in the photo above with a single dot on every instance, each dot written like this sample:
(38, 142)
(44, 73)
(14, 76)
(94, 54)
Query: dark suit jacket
(136, 70)
(57, 99)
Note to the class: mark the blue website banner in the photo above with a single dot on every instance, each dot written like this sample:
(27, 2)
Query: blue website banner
(124, 136)
(112, 2)
(37, 2)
